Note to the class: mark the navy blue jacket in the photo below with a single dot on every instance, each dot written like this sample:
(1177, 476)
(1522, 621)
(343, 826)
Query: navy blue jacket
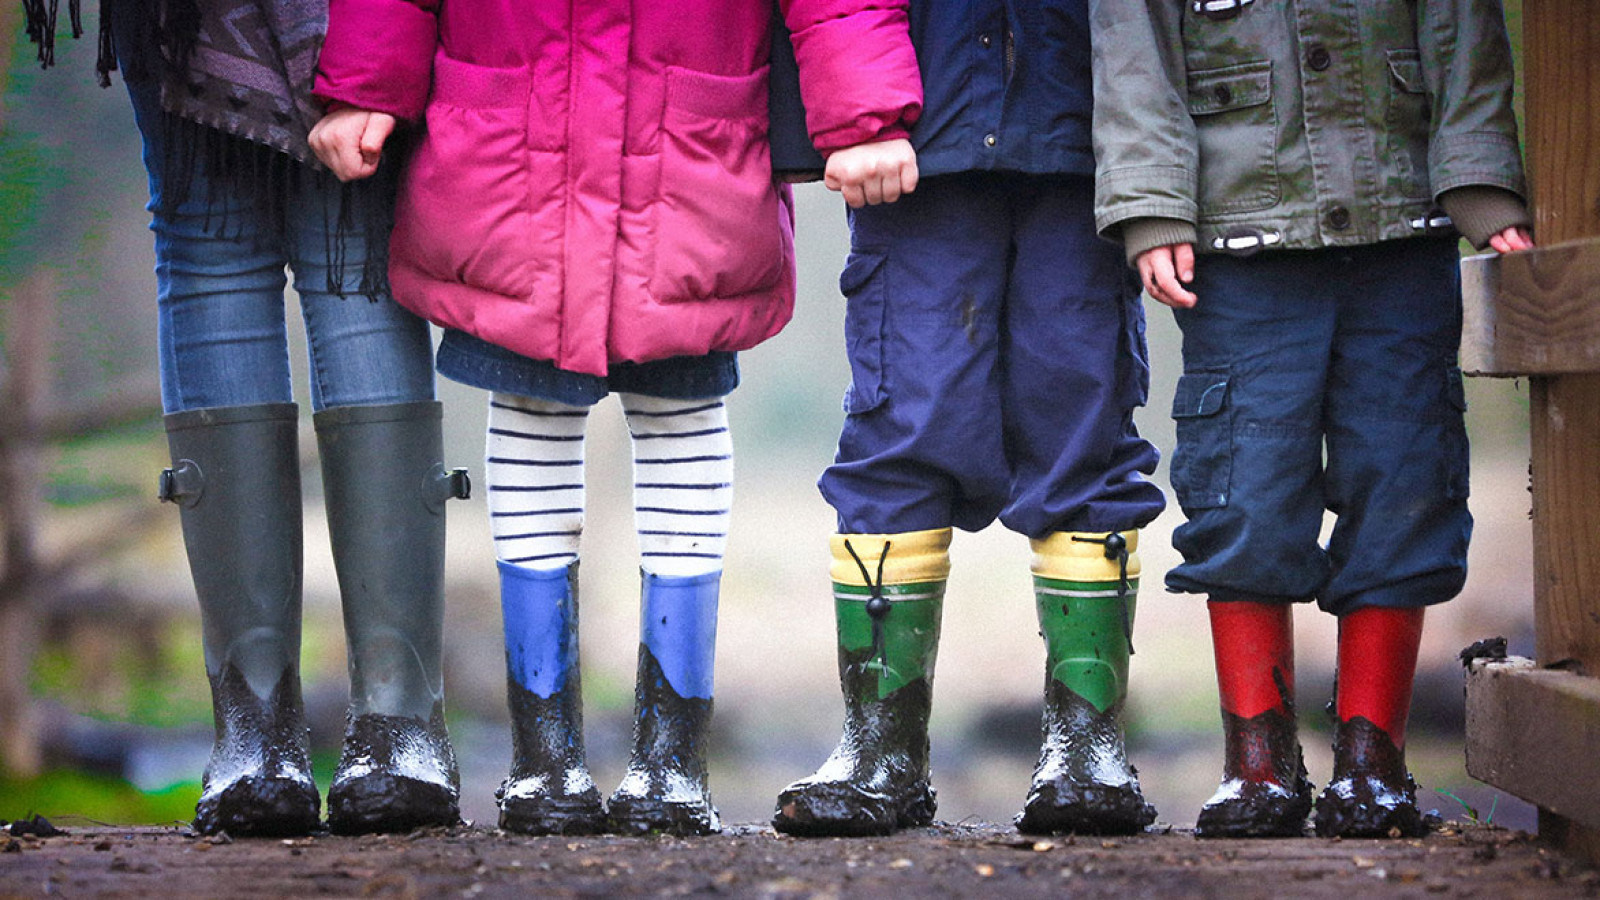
(1006, 87)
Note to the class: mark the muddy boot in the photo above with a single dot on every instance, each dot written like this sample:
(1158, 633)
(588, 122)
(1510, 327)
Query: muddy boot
(385, 490)
(665, 789)
(1264, 790)
(1372, 794)
(236, 477)
(877, 781)
(549, 790)
(1085, 585)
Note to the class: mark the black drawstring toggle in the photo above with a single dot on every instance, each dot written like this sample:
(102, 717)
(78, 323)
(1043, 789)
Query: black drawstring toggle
(877, 604)
(1117, 548)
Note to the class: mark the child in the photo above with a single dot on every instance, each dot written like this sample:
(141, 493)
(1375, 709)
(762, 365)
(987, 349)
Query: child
(997, 354)
(1323, 141)
(591, 209)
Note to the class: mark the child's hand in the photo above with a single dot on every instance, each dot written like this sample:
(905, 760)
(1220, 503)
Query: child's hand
(1512, 239)
(1165, 270)
(872, 173)
(349, 141)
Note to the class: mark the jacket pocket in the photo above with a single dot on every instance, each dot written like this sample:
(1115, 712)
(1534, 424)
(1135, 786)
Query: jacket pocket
(1407, 122)
(1236, 127)
(719, 226)
(862, 284)
(1202, 464)
(464, 213)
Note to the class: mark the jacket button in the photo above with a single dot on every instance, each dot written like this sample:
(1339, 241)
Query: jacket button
(1338, 218)
(1223, 95)
(989, 140)
(1319, 58)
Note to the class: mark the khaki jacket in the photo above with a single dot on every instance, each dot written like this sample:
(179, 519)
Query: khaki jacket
(1298, 123)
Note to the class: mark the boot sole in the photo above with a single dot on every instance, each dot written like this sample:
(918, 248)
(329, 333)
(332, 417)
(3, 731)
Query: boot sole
(390, 803)
(256, 806)
(843, 810)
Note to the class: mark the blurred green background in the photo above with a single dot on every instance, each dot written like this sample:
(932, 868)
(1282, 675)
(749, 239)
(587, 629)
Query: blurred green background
(116, 727)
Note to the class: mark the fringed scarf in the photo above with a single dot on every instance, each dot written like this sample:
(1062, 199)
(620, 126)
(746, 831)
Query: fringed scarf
(236, 80)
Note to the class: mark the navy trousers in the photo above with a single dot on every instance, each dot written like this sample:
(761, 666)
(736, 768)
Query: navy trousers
(997, 354)
(1347, 352)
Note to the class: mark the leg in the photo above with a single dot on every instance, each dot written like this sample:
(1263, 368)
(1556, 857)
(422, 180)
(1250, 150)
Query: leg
(1397, 469)
(683, 493)
(1074, 369)
(233, 435)
(1264, 791)
(888, 595)
(1085, 585)
(536, 494)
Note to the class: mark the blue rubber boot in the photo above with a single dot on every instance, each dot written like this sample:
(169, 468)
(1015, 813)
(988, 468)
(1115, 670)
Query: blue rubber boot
(549, 790)
(665, 789)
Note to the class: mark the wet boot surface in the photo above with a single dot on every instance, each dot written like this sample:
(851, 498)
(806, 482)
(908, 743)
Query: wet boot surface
(665, 790)
(877, 779)
(1083, 783)
(396, 773)
(550, 790)
(258, 781)
(1371, 794)
(1256, 807)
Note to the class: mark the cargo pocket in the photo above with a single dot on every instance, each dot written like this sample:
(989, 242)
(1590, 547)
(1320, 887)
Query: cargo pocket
(464, 213)
(1202, 464)
(719, 226)
(1237, 131)
(863, 288)
(1408, 122)
(1458, 461)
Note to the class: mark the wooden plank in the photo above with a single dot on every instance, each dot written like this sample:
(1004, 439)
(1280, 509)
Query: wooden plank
(1533, 732)
(1561, 40)
(1533, 313)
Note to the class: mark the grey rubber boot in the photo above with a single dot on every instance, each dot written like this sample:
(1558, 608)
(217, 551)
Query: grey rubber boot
(236, 479)
(385, 488)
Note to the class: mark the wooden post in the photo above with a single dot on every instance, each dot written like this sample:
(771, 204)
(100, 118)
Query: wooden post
(1561, 41)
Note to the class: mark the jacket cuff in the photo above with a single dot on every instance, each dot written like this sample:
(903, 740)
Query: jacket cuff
(1475, 158)
(1480, 213)
(1139, 235)
(378, 56)
(1142, 192)
(858, 77)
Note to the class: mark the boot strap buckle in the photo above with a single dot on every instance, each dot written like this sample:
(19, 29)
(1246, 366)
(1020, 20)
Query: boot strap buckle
(182, 484)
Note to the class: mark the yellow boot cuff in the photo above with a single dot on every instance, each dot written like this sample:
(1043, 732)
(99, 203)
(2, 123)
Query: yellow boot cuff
(913, 557)
(1062, 558)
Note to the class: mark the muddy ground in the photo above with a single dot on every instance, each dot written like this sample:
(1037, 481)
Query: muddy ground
(751, 861)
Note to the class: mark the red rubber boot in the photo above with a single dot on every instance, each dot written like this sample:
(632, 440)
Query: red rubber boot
(1264, 791)
(1372, 794)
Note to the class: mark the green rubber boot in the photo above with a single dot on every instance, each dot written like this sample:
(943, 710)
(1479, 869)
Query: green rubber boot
(235, 477)
(1085, 585)
(385, 489)
(876, 781)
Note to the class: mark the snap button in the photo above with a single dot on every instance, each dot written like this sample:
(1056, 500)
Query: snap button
(985, 39)
(1338, 218)
(990, 140)
(1222, 94)
(1319, 58)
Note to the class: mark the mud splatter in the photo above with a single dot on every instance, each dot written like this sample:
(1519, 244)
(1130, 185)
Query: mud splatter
(1084, 782)
(666, 787)
(258, 780)
(550, 790)
(396, 773)
(1371, 794)
(1264, 790)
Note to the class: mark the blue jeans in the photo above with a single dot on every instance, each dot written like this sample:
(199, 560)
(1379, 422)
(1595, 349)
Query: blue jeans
(1345, 351)
(997, 353)
(220, 278)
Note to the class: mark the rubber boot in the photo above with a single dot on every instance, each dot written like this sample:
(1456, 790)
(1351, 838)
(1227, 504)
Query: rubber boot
(385, 489)
(877, 780)
(665, 789)
(1371, 793)
(1264, 790)
(1085, 586)
(549, 790)
(236, 477)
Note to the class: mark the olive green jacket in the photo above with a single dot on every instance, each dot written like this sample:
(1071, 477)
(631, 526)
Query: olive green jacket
(1298, 123)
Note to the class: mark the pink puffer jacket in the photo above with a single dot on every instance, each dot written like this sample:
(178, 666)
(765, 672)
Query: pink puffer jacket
(592, 183)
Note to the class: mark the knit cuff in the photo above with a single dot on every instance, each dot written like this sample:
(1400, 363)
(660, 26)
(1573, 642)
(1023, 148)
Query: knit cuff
(1481, 212)
(1139, 235)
